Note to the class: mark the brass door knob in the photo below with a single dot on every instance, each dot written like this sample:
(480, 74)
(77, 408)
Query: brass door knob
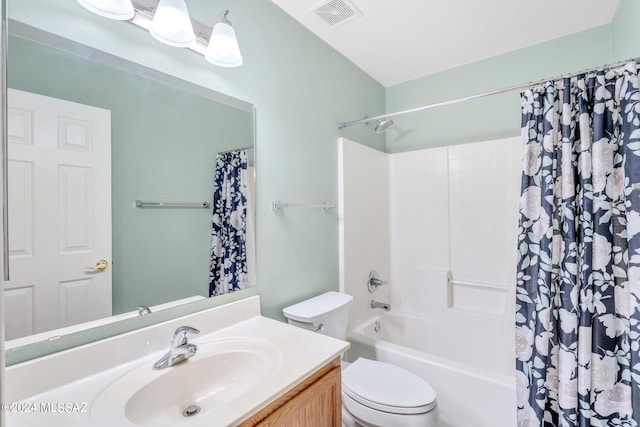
(101, 265)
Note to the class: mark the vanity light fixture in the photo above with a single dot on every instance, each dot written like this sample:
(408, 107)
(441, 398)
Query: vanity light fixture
(168, 21)
(223, 49)
(114, 9)
(171, 24)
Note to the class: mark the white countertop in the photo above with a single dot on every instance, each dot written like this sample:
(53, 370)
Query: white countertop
(60, 390)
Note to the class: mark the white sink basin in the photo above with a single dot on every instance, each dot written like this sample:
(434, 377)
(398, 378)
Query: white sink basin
(220, 372)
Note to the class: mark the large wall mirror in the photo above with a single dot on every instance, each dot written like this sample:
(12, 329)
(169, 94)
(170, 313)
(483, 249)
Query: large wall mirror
(164, 135)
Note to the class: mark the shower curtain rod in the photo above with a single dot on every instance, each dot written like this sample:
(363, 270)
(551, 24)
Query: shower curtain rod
(365, 120)
(246, 147)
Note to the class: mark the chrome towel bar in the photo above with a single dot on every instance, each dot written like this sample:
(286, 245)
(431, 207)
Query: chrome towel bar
(277, 205)
(171, 204)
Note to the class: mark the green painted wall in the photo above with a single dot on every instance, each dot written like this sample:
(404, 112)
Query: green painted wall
(491, 117)
(625, 33)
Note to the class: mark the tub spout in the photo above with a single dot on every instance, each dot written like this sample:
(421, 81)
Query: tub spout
(376, 304)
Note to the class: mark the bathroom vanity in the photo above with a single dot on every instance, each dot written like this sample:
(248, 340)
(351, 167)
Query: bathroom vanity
(248, 371)
(315, 401)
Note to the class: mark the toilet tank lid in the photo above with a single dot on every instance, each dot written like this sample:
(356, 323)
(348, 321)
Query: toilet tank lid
(315, 308)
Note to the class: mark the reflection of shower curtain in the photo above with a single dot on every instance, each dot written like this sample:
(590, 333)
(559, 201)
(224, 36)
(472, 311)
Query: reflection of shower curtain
(228, 271)
(578, 290)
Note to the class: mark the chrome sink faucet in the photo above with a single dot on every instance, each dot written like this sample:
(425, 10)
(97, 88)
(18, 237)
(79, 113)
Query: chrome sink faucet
(180, 349)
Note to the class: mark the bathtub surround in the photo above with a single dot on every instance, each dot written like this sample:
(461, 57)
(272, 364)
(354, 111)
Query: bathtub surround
(363, 210)
(436, 229)
(579, 239)
(444, 220)
(228, 270)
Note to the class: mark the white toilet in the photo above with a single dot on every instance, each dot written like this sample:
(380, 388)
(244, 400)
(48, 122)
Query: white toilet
(374, 394)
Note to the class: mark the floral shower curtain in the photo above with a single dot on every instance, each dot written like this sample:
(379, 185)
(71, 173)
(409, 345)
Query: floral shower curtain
(578, 283)
(228, 270)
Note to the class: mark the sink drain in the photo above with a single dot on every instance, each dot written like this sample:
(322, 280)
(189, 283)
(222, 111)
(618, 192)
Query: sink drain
(191, 410)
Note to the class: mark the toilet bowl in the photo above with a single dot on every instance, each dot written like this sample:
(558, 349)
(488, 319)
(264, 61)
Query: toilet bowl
(374, 393)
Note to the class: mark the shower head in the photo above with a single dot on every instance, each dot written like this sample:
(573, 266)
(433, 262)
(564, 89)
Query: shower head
(383, 125)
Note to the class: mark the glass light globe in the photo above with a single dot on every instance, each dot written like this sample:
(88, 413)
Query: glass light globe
(223, 49)
(171, 24)
(113, 9)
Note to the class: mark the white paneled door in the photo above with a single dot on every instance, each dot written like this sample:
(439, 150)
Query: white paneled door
(59, 214)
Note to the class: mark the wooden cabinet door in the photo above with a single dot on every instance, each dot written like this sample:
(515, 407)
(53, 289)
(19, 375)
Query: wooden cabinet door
(319, 405)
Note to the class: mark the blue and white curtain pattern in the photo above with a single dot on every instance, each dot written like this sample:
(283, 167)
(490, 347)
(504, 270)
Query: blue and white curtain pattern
(228, 270)
(578, 283)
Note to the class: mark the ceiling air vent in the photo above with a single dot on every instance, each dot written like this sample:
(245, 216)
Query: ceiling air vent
(336, 11)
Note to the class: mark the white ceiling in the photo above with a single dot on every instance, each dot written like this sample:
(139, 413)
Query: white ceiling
(399, 40)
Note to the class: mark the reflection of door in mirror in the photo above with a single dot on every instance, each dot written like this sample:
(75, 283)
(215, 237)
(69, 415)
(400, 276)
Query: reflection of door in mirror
(57, 237)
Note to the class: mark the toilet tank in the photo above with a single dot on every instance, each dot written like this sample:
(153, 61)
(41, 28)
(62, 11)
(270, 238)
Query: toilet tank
(327, 314)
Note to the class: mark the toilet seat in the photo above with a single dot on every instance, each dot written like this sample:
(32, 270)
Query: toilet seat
(387, 388)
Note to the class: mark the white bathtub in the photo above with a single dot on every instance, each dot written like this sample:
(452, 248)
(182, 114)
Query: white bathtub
(468, 396)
